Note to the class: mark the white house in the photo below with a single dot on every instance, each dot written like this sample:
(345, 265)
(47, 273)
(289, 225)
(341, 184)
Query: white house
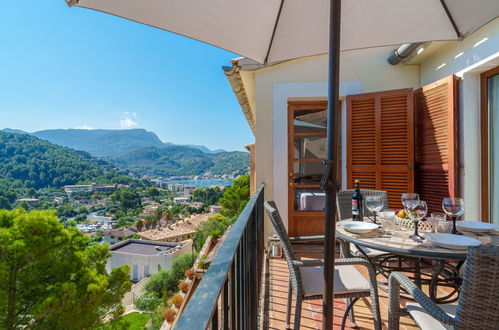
(429, 124)
(145, 257)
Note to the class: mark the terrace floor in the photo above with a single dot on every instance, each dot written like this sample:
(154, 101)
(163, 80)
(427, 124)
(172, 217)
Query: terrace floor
(311, 318)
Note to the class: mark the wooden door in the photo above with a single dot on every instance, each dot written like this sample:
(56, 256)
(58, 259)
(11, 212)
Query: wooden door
(437, 142)
(380, 142)
(306, 150)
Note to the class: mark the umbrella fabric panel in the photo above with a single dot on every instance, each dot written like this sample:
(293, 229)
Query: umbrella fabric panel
(240, 26)
(265, 31)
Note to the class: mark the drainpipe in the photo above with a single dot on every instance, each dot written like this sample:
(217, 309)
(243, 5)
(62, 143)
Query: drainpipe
(402, 52)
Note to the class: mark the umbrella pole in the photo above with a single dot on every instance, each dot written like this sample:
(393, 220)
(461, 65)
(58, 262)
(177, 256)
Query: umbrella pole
(331, 161)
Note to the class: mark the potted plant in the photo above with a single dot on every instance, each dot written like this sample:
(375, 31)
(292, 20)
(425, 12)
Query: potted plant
(190, 273)
(177, 300)
(183, 286)
(169, 315)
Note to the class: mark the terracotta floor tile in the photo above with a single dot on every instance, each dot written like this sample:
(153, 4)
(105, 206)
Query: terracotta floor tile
(311, 317)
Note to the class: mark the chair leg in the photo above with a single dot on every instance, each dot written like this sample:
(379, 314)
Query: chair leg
(348, 310)
(297, 313)
(288, 307)
(352, 313)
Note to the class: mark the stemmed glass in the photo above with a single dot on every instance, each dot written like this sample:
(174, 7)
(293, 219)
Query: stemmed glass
(454, 208)
(409, 199)
(374, 204)
(417, 211)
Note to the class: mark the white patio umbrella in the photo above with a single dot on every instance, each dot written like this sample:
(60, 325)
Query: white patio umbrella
(277, 30)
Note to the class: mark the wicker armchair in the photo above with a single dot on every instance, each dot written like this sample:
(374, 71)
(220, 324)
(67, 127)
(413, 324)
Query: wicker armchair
(305, 277)
(344, 205)
(344, 202)
(477, 304)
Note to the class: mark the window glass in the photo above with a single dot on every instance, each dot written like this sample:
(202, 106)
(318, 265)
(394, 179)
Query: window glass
(309, 199)
(310, 147)
(307, 173)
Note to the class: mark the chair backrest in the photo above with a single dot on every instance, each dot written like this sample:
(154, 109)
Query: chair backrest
(479, 297)
(344, 202)
(294, 272)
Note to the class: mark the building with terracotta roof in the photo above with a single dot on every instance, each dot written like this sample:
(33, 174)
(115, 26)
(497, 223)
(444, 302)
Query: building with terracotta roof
(117, 235)
(180, 231)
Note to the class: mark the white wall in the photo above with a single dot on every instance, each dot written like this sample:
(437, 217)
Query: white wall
(119, 259)
(361, 71)
(467, 59)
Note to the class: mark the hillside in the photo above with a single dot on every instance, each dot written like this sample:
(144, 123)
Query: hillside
(27, 161)
(101, 142)
(183, 160)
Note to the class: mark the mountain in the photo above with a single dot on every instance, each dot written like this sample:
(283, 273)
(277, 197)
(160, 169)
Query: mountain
(183, 160)
(29, 162)
(106, 143)
(11, 130)
(101, 142)
(204, 149)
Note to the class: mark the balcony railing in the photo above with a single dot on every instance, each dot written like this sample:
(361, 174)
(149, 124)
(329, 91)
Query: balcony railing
(227, 297)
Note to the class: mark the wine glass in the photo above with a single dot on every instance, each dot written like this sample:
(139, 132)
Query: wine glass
(454, 208)
(417, 211)
(409, 199)
(374, 204)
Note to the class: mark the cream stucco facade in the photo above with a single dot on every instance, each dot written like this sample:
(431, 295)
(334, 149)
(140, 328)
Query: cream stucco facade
(269, 88)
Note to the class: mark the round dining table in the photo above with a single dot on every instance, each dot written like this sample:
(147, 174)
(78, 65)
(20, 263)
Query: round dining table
(399, 244)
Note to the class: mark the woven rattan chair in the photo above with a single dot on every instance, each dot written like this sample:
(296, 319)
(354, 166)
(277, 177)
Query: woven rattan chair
(344, 202)
(306, 276)
(344, 205)
(477, 304)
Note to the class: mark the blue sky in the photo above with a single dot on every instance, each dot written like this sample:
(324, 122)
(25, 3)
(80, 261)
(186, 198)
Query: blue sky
(66, 67)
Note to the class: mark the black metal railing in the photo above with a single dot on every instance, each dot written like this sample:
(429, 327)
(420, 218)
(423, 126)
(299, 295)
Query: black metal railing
(228, 295)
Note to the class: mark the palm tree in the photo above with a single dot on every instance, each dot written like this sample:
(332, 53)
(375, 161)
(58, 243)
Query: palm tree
(139, 225)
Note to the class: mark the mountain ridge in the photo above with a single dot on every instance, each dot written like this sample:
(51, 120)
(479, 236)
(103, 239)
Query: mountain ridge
(107, 143)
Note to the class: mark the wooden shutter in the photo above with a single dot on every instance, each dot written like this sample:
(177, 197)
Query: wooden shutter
(437, 142)
(380, 143)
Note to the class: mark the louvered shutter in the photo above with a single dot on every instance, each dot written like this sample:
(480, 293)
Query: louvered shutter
(380, 144)
(437, 147)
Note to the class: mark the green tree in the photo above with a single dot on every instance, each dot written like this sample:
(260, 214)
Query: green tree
(51, 278)
(66, 211)
(152, 192)
(207, 196)
(4, 203)
(129, 199)
(236, 196)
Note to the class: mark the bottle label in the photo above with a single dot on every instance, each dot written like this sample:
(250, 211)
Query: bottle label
(355, 207)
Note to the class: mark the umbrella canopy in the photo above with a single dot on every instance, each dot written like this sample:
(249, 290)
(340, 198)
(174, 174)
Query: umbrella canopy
(277, 30)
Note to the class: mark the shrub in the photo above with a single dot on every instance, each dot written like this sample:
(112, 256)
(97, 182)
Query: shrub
(190, 273)
(148, 302)
(183, 286)
(215, 226)
(177, 300)
(169, 314)
(167, 280)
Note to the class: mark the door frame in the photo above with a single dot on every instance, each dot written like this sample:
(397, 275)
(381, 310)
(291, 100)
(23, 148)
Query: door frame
(484, 137)
(292, 214)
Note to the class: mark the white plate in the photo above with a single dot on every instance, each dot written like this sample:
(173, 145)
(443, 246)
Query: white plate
(475, 226)
(358, 227)
(450, 241)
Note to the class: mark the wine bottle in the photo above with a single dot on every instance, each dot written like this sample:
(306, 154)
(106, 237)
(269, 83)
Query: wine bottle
(357, 203)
